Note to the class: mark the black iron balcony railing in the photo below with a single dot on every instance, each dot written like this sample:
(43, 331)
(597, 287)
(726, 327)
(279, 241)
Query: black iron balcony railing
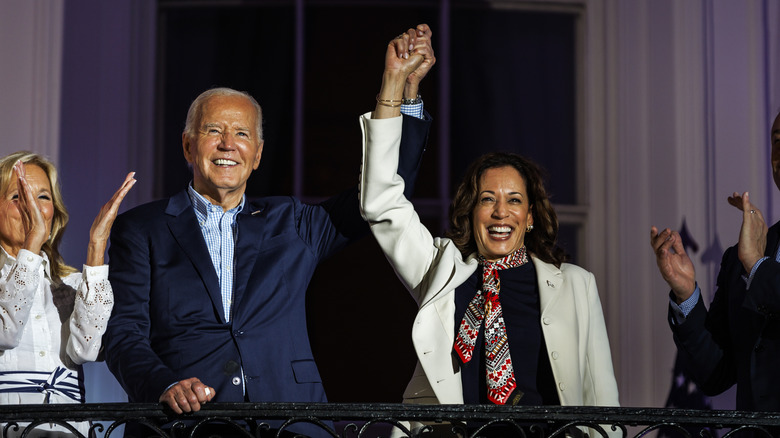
(373, 420)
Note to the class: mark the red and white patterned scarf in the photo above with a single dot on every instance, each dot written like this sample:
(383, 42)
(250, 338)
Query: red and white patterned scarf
(485, 305)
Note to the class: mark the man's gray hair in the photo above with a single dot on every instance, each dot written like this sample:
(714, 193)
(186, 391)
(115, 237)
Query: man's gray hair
(196, 109)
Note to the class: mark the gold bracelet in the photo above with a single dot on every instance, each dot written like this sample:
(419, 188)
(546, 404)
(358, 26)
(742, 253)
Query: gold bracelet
(389, 102)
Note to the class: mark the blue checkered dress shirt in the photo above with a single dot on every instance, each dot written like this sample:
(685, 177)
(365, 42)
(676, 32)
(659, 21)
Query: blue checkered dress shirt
(220, 232)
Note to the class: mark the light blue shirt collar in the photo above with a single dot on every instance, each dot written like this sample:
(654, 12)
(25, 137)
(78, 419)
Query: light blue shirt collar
(202, 205)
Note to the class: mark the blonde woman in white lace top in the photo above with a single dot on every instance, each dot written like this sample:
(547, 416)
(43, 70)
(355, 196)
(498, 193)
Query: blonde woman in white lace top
(52, 317)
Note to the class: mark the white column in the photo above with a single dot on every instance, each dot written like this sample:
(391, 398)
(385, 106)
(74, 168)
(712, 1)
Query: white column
(31, 50)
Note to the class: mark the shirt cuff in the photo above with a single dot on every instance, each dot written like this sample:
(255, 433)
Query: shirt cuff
(749, 279)
(415, 110)
(28, 258)
(681, 311)
(95, 273)
(93, 277)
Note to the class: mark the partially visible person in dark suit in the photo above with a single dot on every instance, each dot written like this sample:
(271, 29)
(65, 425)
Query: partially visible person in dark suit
(738, 340)
(210, 288)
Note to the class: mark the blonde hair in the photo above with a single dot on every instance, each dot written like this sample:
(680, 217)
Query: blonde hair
(60, 219)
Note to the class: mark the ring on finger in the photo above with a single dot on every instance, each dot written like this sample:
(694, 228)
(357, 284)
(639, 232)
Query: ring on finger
(752, 212)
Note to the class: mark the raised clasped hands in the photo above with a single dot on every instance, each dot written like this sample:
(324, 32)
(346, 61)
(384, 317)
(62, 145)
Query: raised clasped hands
(187, 395)
(408, 58)
(673, 262)
(411, 54)
(752, 234)
(420, 42)
(101, 226)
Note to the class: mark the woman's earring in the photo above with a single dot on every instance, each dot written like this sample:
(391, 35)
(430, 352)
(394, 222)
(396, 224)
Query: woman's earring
(529, 228)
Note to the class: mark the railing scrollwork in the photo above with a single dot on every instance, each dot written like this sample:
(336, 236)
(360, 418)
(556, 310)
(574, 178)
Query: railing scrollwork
(339, 420)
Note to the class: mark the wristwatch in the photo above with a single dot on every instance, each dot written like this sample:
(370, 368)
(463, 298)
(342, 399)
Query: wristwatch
(414, 101)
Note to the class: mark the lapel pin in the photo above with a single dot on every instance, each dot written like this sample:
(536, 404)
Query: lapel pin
(549, 283)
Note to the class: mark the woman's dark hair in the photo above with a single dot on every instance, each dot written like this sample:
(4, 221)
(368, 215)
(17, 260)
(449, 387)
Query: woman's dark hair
(541, 241)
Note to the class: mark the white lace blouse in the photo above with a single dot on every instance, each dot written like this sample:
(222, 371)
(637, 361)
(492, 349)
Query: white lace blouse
(48, 329)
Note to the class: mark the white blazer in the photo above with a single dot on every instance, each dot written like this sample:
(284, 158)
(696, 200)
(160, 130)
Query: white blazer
(431, 268)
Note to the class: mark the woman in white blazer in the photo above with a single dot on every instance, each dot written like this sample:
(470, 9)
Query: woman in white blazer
(558, 351)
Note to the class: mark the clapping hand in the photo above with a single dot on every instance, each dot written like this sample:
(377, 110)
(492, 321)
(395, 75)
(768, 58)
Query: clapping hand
(752, 234)
(673, 262)
(101, 226)
(36, 230)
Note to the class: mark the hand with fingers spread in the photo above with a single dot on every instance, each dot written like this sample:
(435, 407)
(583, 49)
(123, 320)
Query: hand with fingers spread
(101, 226)
(673, 262)
(187, 395)
(752, 234)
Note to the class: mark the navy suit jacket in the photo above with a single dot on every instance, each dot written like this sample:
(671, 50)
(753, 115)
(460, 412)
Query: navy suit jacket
(168, 323)
(738, 340)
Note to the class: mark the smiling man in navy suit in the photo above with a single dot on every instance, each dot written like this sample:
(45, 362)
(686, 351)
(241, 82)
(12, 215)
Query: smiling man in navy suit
(209, 287)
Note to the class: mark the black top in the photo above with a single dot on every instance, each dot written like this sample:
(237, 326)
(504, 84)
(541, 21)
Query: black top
(519, 296)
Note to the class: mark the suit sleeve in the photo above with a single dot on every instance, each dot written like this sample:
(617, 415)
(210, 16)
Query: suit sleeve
(407, 244)
(128, 350)
(604, 385)
(414, 136)
(91, 311)
(337, 221)
(763, 297)
(703, 338)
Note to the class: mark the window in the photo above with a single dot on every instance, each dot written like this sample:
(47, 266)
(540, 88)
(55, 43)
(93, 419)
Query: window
(510, 83)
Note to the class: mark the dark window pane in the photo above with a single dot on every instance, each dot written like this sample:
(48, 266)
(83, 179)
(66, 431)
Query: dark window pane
(249, 49)
(345, 47)
(567, 239)
(513, 89)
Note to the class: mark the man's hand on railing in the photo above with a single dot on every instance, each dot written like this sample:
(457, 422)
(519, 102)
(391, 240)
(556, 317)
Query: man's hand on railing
(187, 395)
